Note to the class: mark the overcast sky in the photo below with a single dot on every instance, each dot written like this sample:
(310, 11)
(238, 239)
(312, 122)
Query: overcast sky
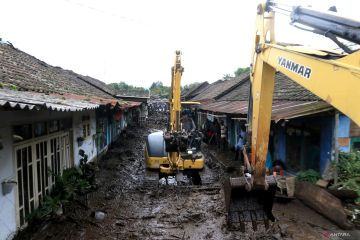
(134, 40)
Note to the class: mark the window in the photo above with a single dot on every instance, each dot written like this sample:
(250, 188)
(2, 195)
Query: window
(33, 161)
(86, 130)
(86, 126)
(22, 132)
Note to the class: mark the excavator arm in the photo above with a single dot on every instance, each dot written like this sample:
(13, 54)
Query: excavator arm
(174, 97)
(335, 78)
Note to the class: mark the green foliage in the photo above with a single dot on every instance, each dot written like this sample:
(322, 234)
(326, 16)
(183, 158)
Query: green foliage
(237, 73)
(123, 86)
(157, 88)
(348, 169)
(227, 76)
(308, 176)
(190, 86)
(49, 207)
(72, 183)
(13, 87)
(155, 85)
(240, 71)
(8, 86)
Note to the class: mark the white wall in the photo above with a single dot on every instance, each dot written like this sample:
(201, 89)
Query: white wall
(88, 144)
(7, 168)
(7, 172)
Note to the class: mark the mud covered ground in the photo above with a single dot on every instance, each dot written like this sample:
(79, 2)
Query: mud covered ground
(137, 211)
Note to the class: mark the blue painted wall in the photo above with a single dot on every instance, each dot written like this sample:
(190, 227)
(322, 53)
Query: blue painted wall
(344, 131)
(326, 125)
(326, 139)
(279, 143)
(108, 133)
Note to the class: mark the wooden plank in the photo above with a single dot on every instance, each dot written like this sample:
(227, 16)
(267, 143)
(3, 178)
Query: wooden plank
(322, 183)
(323, 202)
(343, 193)
(354, 130)
(343, 142)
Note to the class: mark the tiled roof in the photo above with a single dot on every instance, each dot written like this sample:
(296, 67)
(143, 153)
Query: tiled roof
(215, 89)
(285, 89)
(194, 91)
(28, 73)
(290, 100)
(280, 109)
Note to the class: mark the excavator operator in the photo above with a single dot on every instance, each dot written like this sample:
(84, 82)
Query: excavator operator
(188, 123)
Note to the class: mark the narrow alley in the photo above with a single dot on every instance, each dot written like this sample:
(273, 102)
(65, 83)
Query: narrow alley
(154, 120)
(134, 211)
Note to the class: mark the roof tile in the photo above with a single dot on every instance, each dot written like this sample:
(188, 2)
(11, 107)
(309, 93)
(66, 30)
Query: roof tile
(31, 74)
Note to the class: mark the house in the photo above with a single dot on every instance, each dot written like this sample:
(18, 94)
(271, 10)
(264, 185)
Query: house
(47, 115)
(140, 114)
(194, 91)
(302, 128)
(211, 91)
(207, 93)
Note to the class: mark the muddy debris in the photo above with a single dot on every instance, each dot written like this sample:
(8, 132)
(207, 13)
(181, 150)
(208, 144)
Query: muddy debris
(131, 210)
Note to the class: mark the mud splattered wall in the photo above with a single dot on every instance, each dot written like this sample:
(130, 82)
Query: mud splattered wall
(7, 201)
(84, 122)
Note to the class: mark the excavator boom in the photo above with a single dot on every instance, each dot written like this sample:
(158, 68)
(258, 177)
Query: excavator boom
(333, 77)
(174, 97)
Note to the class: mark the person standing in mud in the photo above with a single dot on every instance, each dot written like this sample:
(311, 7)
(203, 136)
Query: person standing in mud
(223, 135)
(217, 131)
(240, 144)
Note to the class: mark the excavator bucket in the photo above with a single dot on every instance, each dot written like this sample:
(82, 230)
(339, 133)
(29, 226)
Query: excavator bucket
(248, 208)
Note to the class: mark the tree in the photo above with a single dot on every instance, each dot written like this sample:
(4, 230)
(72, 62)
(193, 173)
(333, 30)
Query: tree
(240, 71)
(124, 87)
(157, 88)
(190, 86)
(157, 84)
(227, 76)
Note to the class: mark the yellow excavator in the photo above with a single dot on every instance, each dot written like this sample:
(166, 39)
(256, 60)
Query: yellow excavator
(178, 148)
(332, 76)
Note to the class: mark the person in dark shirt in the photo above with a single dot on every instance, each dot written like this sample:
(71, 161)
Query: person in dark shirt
(240, 144)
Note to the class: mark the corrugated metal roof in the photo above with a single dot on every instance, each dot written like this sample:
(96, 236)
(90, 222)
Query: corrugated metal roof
(280, 110)
(34, 100)
(68, 102)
